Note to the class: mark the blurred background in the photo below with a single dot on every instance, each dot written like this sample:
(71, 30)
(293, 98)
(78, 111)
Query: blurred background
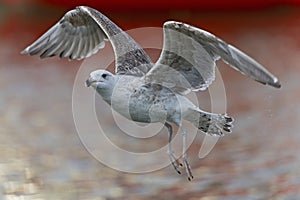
(41, 156)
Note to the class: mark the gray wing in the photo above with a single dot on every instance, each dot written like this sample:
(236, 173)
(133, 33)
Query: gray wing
(187, 61)
(81, 32)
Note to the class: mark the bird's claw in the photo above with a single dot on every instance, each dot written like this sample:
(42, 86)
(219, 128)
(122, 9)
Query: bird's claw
(176, 164)
(188, 169)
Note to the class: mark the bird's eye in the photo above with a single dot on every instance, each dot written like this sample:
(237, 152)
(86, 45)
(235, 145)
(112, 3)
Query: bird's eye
(104, 75)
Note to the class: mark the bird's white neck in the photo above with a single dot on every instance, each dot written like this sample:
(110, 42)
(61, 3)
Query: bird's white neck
(105, 94)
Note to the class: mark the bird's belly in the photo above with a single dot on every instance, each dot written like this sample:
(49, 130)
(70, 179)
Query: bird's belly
(147, 111)
(140, 107)
(139, 110)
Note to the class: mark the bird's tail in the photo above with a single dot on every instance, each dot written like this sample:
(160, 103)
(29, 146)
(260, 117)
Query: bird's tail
(209, 123)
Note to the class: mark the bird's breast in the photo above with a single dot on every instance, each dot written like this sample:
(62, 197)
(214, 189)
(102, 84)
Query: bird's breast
(144, 102)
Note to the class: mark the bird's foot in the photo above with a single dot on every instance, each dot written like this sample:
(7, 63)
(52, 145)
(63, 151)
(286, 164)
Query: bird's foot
(176, 164)
(188, 168)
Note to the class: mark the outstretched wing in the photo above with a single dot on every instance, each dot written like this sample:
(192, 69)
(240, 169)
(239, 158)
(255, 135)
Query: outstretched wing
(187, 61)
(82, 32)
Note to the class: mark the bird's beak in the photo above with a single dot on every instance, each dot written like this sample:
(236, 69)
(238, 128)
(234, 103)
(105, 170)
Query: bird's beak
(89, 82)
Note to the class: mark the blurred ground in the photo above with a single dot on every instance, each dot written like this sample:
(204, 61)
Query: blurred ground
(43, 158)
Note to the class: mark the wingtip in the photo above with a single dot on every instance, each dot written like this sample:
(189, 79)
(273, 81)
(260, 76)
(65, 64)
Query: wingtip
(277, 84)
(25, 51)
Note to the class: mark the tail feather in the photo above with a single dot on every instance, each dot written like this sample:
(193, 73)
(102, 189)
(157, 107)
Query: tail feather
(209, 123)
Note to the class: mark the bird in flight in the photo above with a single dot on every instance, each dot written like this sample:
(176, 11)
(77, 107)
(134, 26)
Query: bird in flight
(149, 92)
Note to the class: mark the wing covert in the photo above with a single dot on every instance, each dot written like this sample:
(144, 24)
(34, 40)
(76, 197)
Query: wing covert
(187, 61)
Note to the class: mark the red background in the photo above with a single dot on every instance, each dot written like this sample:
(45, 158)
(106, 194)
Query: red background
(160, 5)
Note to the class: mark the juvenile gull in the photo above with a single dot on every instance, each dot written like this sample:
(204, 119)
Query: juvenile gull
(151, 92)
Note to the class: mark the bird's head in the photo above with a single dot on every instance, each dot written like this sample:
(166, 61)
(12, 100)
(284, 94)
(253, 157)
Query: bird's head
(101, 80)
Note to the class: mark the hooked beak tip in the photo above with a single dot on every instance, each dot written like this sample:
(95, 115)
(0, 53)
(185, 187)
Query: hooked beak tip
(87, 83)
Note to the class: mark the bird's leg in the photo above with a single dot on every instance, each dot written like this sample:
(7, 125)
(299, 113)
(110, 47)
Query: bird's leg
(184, 155)
(176, 164)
